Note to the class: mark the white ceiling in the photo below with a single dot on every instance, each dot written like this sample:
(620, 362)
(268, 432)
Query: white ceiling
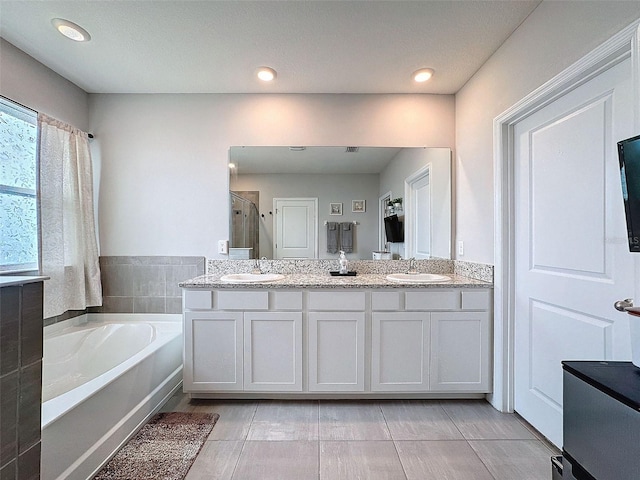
(215, 46)
(311, 160)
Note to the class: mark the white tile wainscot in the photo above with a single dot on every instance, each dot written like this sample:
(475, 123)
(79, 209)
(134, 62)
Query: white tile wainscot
(394, 342)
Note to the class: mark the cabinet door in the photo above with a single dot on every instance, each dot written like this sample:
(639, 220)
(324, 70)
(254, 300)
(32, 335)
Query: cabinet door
(212, 351)
(273, 351)
(336, 351)
(400, 352)
(460, 353)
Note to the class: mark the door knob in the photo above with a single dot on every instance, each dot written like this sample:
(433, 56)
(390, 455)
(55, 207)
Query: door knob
(622, 305)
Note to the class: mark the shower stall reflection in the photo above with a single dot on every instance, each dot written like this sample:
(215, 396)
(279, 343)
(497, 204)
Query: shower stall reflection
(244, 242)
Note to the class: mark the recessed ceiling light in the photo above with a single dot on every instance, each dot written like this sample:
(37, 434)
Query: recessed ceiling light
(423, 74)
(71, 30)
(266, 74)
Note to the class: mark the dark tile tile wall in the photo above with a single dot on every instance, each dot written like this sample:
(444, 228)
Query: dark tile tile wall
(20, 381)
(145, 284)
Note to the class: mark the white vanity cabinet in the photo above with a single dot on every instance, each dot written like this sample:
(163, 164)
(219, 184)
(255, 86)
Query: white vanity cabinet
(273, 351)
(342, 342)
(233, 342)
(336, 361)
(400, 352)
(436, 341)
(213, 354)
(460, 354)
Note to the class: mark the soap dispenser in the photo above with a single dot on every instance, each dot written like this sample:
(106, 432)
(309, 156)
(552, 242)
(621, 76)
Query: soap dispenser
(344, 263)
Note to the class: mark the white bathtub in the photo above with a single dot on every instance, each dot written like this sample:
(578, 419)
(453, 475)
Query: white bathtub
(103, 376)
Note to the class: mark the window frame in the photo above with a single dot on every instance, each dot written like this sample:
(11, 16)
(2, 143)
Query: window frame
(29, 115)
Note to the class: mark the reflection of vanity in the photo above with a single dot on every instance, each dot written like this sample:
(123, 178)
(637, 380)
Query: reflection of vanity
(314, 335)
(335, 177)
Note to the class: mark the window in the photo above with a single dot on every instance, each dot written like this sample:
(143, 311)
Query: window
(19, 250)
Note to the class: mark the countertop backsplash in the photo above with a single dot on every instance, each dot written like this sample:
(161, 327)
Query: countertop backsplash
(477, 271)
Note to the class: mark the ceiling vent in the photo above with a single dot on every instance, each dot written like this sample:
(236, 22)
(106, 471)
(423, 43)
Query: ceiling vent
(352, 149)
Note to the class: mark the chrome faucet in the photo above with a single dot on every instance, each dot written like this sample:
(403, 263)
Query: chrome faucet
(413, 270)
(257, 267)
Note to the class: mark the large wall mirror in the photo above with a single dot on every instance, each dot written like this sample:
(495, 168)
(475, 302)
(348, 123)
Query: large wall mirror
(287, 202)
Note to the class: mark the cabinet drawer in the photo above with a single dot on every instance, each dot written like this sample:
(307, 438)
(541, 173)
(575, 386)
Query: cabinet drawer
(389, 301)
(342, 301)
(476, 299)
(433, 300)
(198, 299)
(286, 300)
(242, 300)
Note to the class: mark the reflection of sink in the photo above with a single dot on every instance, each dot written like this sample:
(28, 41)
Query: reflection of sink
(417, 278)
(251, 277)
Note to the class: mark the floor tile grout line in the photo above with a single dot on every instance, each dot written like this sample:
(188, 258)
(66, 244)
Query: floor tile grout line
(244, 442)
(452, 420)
(235, 467)
(395, 447)
(466, 440)
(255, 410)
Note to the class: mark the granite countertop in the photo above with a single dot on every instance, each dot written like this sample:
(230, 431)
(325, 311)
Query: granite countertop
(325, 280)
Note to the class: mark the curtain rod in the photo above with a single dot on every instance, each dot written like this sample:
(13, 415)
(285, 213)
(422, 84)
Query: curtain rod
(354, 222)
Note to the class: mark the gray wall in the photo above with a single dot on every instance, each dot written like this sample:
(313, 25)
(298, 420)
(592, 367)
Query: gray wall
(327, 188)
(164, 176)
(406, 163)
(161, 178)
(554, 36)
(30, 83)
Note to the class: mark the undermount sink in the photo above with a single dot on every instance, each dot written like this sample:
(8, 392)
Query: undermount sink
(417, 278)
(251, 277)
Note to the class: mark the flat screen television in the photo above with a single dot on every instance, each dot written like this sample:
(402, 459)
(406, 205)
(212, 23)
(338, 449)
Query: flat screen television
(393, 229)
(629, 157)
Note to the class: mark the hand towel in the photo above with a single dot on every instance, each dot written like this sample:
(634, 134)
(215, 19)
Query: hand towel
(333, 237)
(346, 237)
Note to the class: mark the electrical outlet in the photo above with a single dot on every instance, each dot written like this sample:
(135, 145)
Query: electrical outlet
(223, 247)
(460, 248)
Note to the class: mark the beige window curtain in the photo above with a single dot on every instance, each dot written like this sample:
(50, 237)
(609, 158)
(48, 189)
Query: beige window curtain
(69, 246)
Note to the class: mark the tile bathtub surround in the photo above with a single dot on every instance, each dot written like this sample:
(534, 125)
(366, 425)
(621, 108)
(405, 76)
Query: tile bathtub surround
(20, 380)
(376, 440)
(145, 284)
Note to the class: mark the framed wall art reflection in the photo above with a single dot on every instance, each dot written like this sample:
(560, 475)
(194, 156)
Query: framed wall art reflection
(335, 209)
(358, 206)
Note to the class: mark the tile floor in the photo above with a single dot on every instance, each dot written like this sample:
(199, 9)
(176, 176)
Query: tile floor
(369, 440)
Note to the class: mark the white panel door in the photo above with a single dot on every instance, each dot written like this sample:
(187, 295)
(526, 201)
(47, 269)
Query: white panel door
(336, 351)
(273, 351)
(400, 351)
(213, 351)
(295, 228)
(571, 256)
(418, 214)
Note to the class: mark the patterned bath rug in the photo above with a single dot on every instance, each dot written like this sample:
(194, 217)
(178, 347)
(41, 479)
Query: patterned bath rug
(163, 449)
